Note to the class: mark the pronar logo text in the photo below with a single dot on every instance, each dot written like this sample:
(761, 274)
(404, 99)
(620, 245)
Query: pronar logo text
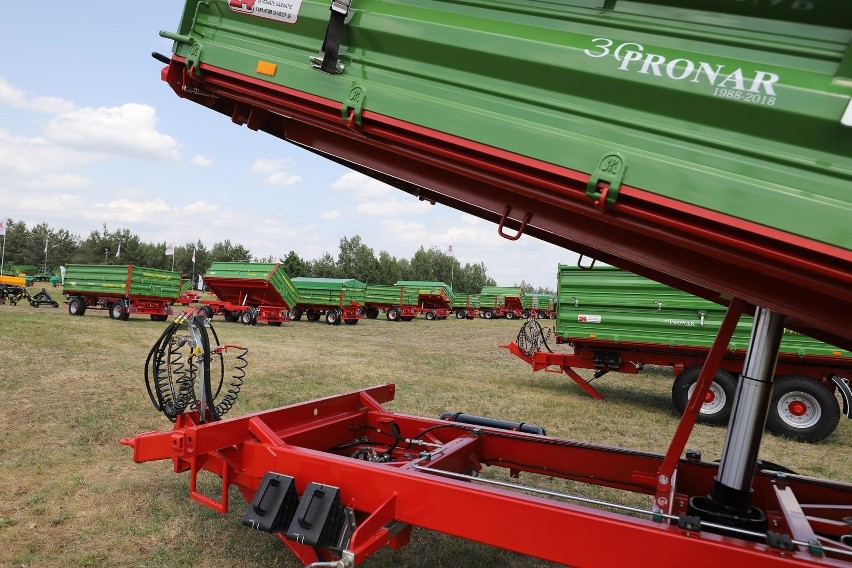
(728, 82)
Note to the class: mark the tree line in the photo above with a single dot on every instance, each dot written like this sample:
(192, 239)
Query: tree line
(47, 248)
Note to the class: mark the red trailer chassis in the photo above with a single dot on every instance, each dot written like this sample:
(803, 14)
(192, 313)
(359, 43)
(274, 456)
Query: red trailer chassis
(119, 306)
(249, 315)
(431, 479)
(246, 300)
(334, 314)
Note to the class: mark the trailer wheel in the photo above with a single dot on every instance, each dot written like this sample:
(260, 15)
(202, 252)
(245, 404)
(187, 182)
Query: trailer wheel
(510, 315)
(393, 314)
(159, 317)
(231, 317)
(406, 318)
(350, 321)
(488, 314)
(312, 315)
(332, 317)
(118, 311)
(372, 312)
(431, 315)
(526, 314)
(296, 314)
(461, 314)
(276, 323)
(719, 400)
(76, 306)
(207, 310)
(248, 318)
(803, 409)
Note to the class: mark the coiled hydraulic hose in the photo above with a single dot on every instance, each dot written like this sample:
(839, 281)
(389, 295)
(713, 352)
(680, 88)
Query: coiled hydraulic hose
(171, 377)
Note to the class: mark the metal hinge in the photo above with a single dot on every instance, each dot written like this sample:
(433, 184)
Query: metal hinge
(605, 181)
(353, 105)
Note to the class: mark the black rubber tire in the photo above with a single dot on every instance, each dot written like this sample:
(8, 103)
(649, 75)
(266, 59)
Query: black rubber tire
(526, 314)
(276, 323)
(332, 317)
(802, 409)
(350, 321)
(488, 314)
(76, 306)
(208, 311)
(372, 312)
(296, 314)
(461, 314)
(715, 412)
(312, 315)
(406, 318)
(431, 316)
(159, 317)
(117, 311)
(248, 318)
(393, 314)
(231, 317)
(510, 315)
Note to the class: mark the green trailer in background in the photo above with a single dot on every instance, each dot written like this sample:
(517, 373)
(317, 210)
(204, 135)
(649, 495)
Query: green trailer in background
(340, 299)
(121, 289)
(617, 321)
(501, 302)
(250, 292)
(466, 306)
(434, 299)
(398, 302)
(538, 305)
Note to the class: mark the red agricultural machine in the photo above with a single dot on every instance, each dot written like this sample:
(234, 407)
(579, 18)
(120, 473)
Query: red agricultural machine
(706, 147)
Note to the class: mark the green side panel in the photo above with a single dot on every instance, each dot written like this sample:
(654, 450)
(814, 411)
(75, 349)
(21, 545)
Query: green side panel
(616, 305)
(432, 288)
(734, 107)
(538, 301)
(399, 295)
(264, 282)
(493, 296)
(112, 279)
(329, 291)
(466, 301)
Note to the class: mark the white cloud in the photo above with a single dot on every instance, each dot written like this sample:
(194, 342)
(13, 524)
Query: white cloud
(363, 188)
(201, 161)
(129, 129)
(22, 157)
(393, 207)
(328, 215)
(60, 181)
(16, 98)
(275, 172)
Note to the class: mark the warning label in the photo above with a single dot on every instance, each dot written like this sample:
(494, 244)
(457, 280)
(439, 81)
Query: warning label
(286, 11)
(585, 318)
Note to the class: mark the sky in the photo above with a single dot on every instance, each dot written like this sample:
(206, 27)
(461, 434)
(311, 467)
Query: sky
(90, 135)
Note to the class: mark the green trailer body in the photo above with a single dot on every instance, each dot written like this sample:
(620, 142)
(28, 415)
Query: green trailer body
(501, 301)
(340, 299)
(695, 123)
(121, 289)
(390, 295)
(609, 304)
(122, 280)
(436, 298)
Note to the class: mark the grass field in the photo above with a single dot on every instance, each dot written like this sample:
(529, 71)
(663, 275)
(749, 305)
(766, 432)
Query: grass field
(70, 495)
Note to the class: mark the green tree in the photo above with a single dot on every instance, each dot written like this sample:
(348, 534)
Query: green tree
(294, 266)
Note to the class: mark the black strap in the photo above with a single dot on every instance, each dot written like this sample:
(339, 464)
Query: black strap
(331, 44)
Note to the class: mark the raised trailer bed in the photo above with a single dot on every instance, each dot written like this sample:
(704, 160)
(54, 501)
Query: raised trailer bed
(399, 303)
(434, 299)
(497, 302)
(339, 299)
(617, 321)
(250, 292)
(121, 290)
(466, 306)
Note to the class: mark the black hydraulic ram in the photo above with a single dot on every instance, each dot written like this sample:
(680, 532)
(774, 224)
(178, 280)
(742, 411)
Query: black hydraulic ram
(493, 423)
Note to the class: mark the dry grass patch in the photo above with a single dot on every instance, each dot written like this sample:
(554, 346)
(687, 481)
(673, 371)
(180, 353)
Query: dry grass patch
(71, 496)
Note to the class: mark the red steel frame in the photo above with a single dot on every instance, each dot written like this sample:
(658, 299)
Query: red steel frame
(707, 253)
(634, 355)
(136, 305)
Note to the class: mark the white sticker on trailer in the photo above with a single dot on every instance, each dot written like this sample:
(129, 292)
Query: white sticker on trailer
(286, 11)
(585, 318)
